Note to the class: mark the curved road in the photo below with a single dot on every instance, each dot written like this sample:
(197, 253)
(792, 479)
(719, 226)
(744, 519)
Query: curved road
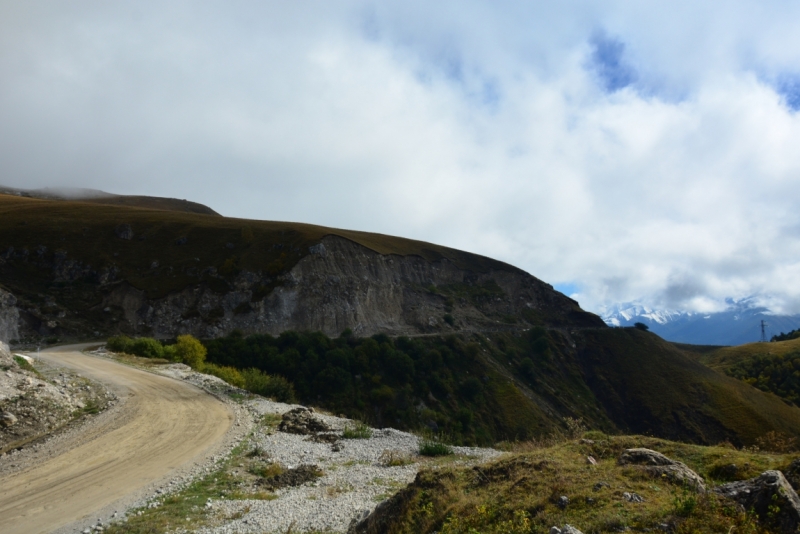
(159, 425)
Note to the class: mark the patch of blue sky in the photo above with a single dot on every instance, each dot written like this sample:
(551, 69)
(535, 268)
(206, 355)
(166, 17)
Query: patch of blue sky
(568, 288)
(788, 86)
(608, 63)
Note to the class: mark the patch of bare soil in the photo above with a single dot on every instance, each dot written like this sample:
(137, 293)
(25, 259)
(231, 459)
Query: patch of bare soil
(38, 399)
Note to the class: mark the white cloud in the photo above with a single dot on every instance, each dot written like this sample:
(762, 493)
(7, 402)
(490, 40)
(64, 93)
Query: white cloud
(481, 126)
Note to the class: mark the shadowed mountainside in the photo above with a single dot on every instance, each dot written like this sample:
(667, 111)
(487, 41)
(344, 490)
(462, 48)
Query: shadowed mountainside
(528, 355)
(76, 268)
(481, 388)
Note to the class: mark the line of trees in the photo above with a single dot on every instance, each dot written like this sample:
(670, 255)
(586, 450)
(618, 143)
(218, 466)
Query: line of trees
(189, 350)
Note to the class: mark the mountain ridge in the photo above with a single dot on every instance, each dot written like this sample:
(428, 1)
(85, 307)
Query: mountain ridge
(78, 268)
(740, 323)
(96, 196)
(523, 355)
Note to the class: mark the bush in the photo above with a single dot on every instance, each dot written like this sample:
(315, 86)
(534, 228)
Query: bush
(641, 326)
(190, 351)
(273, 387)
(359, 431)
(434, 446)
(146, 347)
(231, 375)
(169, 353)
(119, 344)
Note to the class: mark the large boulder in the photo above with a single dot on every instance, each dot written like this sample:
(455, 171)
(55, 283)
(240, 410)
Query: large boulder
(770, 495)
(5, 355)
(7, 419)
(792, 473)
(658, 465)
(301, 421)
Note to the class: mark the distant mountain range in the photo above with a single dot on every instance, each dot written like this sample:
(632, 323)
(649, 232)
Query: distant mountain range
(740, 323)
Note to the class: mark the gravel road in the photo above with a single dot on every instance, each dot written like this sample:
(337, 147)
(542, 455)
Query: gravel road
(159, 425)
(356, 472)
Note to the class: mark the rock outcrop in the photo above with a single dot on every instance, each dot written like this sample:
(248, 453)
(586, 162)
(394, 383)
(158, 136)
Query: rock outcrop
(342, 285)
(770, 496)
(338, 285)
(32, 405)
(9, 317)
(658, 465)
(301, 420)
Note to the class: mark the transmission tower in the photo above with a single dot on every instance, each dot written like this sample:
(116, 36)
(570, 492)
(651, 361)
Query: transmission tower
(763, 331)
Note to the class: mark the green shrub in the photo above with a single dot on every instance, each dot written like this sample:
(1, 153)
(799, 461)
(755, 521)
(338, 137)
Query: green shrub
(119, 344)
(169, 353)
(190, 351)
(146, 347)
(358, 431)
(273, 387)
(231, 375)
(434, 446)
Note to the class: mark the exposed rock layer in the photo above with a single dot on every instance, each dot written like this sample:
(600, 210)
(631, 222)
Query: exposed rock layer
(338, 285)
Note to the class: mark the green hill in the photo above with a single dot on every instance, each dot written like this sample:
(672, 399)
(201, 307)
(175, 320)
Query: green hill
(484, 388)
(773, 367)
(650, 387)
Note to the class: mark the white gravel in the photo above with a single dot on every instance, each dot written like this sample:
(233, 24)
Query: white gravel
(355, 478)
(354, 482)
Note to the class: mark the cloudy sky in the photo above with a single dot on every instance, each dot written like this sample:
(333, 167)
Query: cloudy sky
(618, 150)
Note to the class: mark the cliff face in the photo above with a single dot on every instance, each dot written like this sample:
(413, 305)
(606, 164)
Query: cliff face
(9, 317)
(77, 270)
(342, 285)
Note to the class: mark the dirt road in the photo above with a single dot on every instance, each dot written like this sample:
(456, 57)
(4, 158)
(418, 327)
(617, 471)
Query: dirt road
(159, 425)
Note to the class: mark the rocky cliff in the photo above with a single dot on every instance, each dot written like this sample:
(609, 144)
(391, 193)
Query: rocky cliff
(145, 277)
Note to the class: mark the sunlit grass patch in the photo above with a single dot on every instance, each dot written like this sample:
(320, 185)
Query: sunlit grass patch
(434, 445)
(358, 430)
(552, 485)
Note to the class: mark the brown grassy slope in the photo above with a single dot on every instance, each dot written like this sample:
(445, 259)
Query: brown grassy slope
(722, 358)
(519, 493)
(95, 196)
(647, 386)
(86, 231)
(155, 203)
(45, 216)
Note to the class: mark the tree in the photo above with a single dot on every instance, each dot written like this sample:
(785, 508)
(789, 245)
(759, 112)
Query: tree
(190, 351)
(641, 326)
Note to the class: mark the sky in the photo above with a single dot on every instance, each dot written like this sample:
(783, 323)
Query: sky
(621, 151)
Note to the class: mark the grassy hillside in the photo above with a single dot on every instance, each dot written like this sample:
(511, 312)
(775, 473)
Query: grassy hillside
(87, 229)
(521, 492)
(442, 385)
(773, 367)
(481, 389)
(94, 196)
(722, 358)
(54, 254)
(648, 386)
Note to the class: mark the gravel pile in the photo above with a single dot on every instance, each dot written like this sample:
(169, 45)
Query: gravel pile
(356, 476)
